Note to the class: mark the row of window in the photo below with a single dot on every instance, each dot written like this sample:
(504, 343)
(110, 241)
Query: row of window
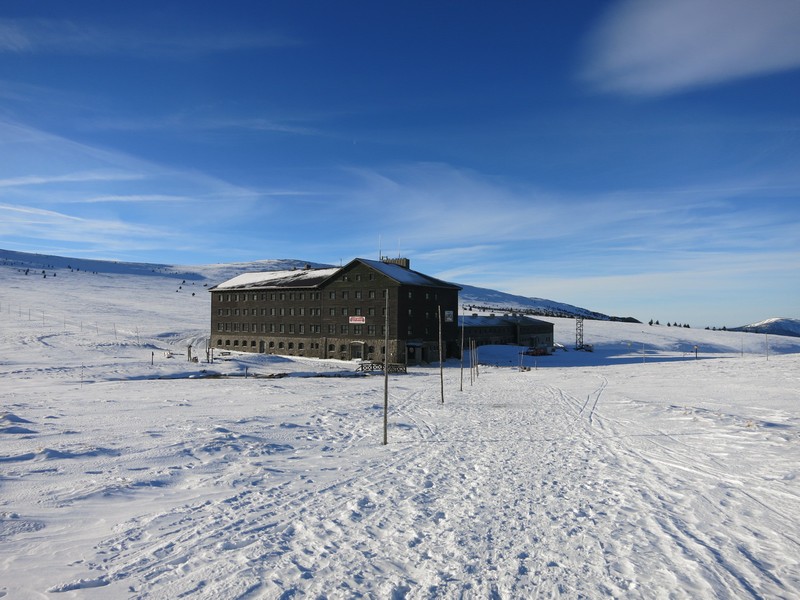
(299, 328)
(288, 345)
(283, 296)
(299, 311)
(332, 295)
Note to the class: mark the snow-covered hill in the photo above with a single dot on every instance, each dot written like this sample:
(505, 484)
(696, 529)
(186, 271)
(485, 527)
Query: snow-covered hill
(471, 297)
(776, 326)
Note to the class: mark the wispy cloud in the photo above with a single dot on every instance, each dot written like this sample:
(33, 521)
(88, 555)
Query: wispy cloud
(652, 47)
(82, 177)
(51, 35)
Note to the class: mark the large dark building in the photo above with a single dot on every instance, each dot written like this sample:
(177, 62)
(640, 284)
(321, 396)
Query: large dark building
(337, 313)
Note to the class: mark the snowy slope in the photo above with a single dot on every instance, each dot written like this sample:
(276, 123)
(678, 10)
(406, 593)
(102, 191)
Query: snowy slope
(211, 275)
(775, 326)
(639, 470)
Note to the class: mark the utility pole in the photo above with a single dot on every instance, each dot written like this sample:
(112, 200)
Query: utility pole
(461, 385)
(441, 360)
(386, 373)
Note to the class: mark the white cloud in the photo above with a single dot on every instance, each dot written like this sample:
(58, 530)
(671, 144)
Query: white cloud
(652, 47)
(53, 35)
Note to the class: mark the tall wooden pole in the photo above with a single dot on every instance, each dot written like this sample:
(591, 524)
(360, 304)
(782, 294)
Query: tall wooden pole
(441, 359)
(386, 374)
(461, 385)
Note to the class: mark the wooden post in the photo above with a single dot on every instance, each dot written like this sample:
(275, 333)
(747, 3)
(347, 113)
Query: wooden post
(386, 374)
(441, 359)
(461, 384)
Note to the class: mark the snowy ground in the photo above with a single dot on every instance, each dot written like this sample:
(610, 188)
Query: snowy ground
(634, 471)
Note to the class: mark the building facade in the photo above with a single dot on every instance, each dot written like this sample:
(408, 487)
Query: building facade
(519, 330)
(338, 313)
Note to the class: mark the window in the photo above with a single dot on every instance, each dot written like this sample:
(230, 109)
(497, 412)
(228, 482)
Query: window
(227, 312)
(345, 295)
(301, 346)
(332, 312)
(245, 327)
(291, 295)
(331, 328)
(357, 294)
(236, 312)
(219, 342)
(219, 326)
(371, 330)
(281, 311)
(272, 312)
(272, 296)
(236, 327)
(291, 345)
(272, 344)
(372, 294)
(291, 327)
(357, 311)
(344, 312)
(282, 296)
(282, 328)
(301, 328)
(332, 295)
(227, 326)
(244, 312)
(371, 312)
(280, 345)
(343, 329)
(272, 327)
(357, 329)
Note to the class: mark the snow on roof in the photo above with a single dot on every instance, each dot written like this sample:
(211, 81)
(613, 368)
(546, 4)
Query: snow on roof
(314, 277)
(262, 279)
(405, 276)
(499, 320)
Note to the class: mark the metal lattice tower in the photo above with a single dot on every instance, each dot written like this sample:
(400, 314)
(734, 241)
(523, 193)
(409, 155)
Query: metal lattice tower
(578, 333)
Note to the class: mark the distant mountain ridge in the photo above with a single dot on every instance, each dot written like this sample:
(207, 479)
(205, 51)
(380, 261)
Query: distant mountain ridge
(471, 298)
(776, 326)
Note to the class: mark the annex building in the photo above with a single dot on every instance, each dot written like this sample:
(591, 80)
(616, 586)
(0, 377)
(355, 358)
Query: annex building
(338, 313)
(519, 330)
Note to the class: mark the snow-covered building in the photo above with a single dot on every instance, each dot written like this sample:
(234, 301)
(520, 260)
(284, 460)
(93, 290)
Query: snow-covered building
(338, 312)
(519, 330)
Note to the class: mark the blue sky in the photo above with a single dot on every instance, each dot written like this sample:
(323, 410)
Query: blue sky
(633, 157)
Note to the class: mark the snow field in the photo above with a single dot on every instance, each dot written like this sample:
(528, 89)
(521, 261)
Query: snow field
(616, 473)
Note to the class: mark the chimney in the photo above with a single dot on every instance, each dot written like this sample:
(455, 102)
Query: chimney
(402, 262)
